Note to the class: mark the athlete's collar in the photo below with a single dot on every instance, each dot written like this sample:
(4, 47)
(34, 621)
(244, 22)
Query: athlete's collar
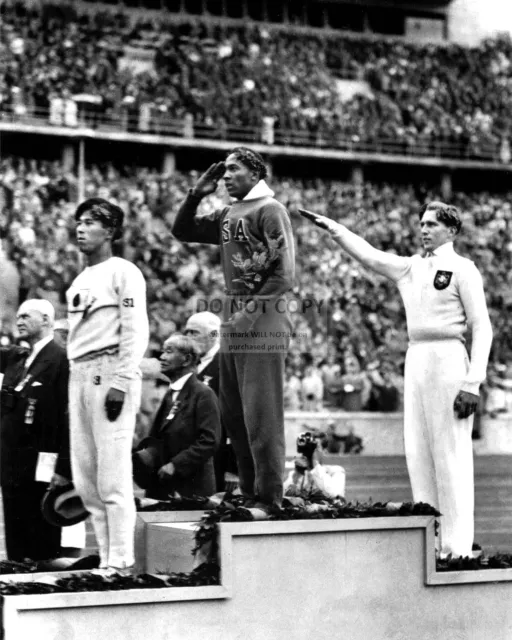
(444, 249)
(260, 190)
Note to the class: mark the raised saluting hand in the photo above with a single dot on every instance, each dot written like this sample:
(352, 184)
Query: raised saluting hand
(208, 182)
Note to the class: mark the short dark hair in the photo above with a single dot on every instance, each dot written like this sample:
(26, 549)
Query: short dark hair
(445, 213)
(188, 347)
(251, 159)
(110, 215)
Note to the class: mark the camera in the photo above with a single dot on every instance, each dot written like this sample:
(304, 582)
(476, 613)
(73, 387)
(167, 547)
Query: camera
(306, 444)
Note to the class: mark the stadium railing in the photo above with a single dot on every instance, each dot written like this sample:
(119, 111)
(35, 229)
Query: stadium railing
(160, 124)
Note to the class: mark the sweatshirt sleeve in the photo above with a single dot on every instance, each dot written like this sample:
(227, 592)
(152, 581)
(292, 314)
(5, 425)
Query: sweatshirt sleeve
(134, 325)
(472, 296)
(63, 466)
(188, 227)
(277, 231)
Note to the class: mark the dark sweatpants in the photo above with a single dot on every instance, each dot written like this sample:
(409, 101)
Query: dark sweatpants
(252, 410)
(27, 534)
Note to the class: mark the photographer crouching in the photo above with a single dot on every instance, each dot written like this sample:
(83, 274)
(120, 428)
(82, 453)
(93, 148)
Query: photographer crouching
(310, 478)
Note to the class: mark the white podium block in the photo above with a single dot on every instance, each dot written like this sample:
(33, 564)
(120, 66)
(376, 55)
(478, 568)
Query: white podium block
(169, 547)
(145, 519)
(362, 578)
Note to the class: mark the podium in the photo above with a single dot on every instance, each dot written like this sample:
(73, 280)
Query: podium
(357, 578)
(151, 543)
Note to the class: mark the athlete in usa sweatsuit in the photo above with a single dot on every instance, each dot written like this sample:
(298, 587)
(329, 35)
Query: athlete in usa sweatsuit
(108, 335)
(443, 296)
(258, 260)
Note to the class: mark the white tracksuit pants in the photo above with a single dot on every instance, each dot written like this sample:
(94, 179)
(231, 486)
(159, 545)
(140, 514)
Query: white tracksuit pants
(101, 457)
(438, 445)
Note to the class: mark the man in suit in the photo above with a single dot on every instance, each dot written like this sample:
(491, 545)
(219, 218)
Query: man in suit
(204, 328)
(177, 456)
(34, 437)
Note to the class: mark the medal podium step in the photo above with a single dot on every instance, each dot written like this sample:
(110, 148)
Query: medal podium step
(360, 578)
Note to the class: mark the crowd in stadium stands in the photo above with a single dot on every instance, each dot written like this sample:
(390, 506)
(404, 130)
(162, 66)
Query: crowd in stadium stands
(350, 339)
(213, 79)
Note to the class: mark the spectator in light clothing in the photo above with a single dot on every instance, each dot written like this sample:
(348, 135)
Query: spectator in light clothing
(312, 389)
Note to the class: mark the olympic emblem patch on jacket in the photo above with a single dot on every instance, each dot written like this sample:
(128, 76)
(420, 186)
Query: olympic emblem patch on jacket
(442, 279)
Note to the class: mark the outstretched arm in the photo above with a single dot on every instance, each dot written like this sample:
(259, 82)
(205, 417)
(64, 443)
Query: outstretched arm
(386, 264)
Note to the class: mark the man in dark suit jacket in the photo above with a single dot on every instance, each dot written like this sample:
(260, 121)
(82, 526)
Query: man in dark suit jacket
(178, 454)
(204, 328)
(34, 404)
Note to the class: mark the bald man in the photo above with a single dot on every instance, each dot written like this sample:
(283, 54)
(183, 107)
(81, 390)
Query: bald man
(34, 440)
(204, 328)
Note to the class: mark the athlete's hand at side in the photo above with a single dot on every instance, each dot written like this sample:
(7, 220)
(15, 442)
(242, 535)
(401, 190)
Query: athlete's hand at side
(114, 404)
(167, 471)
(465, 404)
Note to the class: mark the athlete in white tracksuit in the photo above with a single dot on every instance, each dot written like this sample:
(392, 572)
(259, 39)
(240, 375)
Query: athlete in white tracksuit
(443, 296)
(108, 335)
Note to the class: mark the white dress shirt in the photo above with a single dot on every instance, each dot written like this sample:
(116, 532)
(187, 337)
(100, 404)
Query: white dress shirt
(207, 358)
(176, 387)
(40, 344)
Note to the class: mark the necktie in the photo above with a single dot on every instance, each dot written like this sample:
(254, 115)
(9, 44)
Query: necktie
(23, 365)
(171, 409)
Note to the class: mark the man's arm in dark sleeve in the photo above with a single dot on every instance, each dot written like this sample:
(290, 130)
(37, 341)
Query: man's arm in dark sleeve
(158, 420)
(4, 355)
(188, 227)
(63, 466)
(207, 416)
(7, 354)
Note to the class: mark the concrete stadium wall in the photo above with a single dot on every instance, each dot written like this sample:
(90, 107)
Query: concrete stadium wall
(359, 579)
(382, 433)
(469, 21)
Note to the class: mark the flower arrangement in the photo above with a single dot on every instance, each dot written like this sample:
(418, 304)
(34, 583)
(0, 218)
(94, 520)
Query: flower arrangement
(255, 270)
(206, 574)
(231, 509)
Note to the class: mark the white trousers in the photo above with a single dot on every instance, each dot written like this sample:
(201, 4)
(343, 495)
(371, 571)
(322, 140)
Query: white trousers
(101, 457)
(438, 445)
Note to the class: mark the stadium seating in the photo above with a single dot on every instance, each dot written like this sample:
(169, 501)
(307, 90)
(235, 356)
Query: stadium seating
(360, 311)
(255, 83)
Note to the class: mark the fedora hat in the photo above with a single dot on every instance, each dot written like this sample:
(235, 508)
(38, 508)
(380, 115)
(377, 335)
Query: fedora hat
(63, 507)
